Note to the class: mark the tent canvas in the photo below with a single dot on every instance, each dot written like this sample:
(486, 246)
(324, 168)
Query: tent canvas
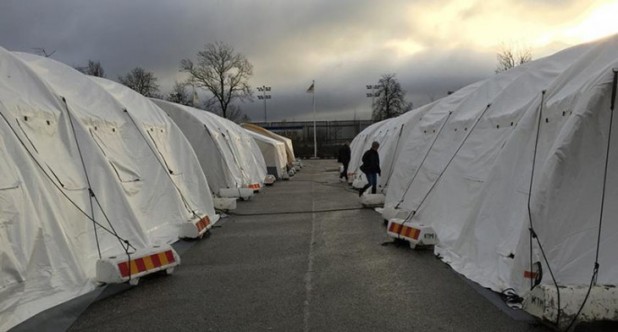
(289, 148)
(154, 199)
(71, 153)
(359, 145)
(274, 154)
(567, 186)
(166, 141)
(48, 237)
(473, 188)
(227, 154)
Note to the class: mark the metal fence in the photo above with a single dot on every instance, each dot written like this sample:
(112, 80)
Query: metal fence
(330, 135)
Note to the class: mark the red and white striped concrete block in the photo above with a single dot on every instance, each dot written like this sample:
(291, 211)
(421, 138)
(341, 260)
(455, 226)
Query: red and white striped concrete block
(255, 187)
(132, 266)
(414, 233)
(195, 228)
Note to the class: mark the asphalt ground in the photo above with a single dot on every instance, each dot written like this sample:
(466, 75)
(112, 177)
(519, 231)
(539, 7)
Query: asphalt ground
(303, 255)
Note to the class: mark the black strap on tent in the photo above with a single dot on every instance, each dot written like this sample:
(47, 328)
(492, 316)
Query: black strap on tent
(449, 162)
(536, 144)
(595, 270)
(423, 161)
(123, 243)
(90, 191)
(167, 170)
(533, 234)
(390, 171)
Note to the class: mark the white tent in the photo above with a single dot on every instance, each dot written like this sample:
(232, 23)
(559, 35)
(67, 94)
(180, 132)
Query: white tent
(149, 187)
(289, 148)
(169, 145)
(49, 243)
(389, 133)
(229, 157)
(83, 176)
(524, 149)
(565, 168)
(257, 159)
(248, 154)
(274, 154)
(358, 146)
(417, 141)
(391, 136)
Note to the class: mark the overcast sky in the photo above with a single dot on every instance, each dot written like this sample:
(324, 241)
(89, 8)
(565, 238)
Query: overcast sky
(432, 46)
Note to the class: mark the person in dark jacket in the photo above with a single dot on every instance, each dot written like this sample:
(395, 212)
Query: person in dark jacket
(371, 168)
(344, 159)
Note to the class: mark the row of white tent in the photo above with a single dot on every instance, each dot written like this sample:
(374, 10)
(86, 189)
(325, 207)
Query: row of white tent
(516, 174)
(90, 169)
(277, 150)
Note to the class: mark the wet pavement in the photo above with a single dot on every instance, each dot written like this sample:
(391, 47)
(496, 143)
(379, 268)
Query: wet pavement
(303, 255)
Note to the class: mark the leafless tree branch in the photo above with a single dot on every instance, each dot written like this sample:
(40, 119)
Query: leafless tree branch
(509, 57)
(222, 72)
(141, 81)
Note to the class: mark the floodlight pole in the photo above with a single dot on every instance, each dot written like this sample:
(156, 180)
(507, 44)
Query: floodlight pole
(315, 139)
(372, 94)
(264, 96)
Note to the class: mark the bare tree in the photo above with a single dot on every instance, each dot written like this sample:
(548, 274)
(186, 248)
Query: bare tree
(180, 95)
(508, 57)
(92, 69)
(390, 101)
(43, 52)
(141, 81)
(223, 72)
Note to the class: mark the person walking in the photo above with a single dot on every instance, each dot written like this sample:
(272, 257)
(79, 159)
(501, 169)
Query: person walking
(371, 168)
(344, 159)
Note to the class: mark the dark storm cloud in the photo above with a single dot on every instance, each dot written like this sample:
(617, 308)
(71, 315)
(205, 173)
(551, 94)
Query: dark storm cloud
(343, 45)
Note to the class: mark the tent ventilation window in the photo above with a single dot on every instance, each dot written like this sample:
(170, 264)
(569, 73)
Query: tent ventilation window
(164, 163)
(164, 152)
(111, 147)
(37, 132)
